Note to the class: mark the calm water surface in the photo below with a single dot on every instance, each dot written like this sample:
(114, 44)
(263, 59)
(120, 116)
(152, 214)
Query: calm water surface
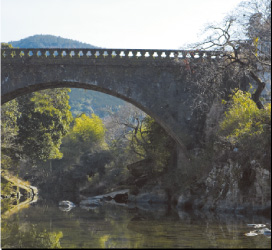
(44, 225)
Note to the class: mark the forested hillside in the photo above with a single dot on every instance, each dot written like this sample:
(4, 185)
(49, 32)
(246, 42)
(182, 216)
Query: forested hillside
(81, 101)
(49, 41)
(88, 102)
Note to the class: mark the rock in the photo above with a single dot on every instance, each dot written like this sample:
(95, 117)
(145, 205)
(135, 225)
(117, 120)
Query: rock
(263, 231)
(107, 198)
(121, 198)
(267, 232)
(251, 234)
(92, 201)
(34, 190)
(230, 187)
(113, 194)
(154, 197)
(256, 225)
(67, 204)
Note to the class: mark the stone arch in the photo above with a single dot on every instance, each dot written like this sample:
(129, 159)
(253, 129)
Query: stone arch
(152, 80)
(42, 86)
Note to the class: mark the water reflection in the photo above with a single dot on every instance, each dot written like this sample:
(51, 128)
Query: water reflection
(44, 225)
(12, 206)
(15, 234)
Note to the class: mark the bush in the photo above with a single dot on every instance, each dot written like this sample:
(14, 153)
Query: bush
(248, 128)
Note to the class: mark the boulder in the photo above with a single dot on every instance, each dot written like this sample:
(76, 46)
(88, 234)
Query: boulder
(66, 203)
(92, 201)
(66, 206)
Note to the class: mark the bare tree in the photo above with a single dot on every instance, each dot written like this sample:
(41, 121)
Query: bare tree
(123, 126)
(243, 42)
(127, 119)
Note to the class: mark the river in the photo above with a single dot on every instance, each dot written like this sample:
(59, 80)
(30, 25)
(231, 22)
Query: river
(44, 225)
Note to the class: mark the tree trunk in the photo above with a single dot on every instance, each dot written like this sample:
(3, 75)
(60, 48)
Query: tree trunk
(259, 90)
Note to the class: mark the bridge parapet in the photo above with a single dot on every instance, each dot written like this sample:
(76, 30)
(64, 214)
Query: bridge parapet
(63, 53)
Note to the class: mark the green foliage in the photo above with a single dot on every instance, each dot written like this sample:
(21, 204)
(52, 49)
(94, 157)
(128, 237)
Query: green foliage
(85, 136)
(44, 120)
(86, 133)
(6, 187)
(89, 102)
(161, 144)
(88, 129)
(248, 128)
(151, 141)
(83, 157)
(9, 132)
(6, 45)
(29, 238)
(9, 128)
(244, 121)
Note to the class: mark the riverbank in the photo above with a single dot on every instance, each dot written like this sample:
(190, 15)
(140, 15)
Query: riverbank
(15, 193)
(17, 186)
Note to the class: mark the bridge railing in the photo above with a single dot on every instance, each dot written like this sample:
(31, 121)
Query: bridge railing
(106, 53)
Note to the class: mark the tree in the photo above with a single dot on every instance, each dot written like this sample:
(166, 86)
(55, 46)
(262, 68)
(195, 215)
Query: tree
(150, 141)
(44, 120)
(248, 128)
(119, 126)
(88, 131)
(136, 136)
(122, 121)
(9, 129)
(86, 135)
(30, 237)
(9, 133)
(244, 44)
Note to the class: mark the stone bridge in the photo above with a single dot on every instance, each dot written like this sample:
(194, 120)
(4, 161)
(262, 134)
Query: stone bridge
(152, 80)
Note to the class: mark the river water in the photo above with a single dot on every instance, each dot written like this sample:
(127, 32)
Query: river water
(44, 225)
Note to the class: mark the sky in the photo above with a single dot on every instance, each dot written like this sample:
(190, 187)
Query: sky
(134, 24)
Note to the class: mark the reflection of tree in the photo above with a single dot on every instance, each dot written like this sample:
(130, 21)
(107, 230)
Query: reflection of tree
(10, 209)
(16, 235)
(112, 226)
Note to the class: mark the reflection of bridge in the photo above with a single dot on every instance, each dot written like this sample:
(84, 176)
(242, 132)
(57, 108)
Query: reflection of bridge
(152, 80)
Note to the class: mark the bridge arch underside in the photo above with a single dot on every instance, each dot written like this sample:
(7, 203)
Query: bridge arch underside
(50, 85)
(160, 90)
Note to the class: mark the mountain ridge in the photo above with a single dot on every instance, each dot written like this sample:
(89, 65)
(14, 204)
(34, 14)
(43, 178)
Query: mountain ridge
(50, 41)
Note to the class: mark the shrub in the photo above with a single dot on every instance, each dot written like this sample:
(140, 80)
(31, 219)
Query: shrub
(247, 127)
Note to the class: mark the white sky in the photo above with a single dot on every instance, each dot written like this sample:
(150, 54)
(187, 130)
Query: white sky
(139, 24)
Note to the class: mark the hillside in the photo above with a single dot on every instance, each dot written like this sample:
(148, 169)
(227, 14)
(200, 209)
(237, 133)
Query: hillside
(81, 101)
(49, 41)
(88, 101)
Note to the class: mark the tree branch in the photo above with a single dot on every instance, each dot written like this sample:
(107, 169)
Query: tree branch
(259, 90)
